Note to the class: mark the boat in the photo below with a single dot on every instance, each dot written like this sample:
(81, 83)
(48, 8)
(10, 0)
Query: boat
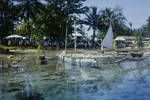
(95, 59)
(42, 59)
(108, 43)
(77, 58)
(137, 54)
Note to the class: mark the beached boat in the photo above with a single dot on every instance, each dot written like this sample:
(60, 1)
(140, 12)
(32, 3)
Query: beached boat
(78, 58)
(137, 54)
(108, 43)
(42, 59)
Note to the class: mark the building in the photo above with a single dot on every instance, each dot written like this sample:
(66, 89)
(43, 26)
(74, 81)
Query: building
(125, 41)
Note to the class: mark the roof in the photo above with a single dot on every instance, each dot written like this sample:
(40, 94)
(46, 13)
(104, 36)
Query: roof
(123, 38)
(77, 34)
(15, 36)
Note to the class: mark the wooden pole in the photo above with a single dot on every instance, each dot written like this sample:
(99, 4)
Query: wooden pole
(102, 49)
(66, 38)
(75, 40)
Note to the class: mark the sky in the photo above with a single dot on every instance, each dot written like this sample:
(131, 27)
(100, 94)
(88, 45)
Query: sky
(135, 11)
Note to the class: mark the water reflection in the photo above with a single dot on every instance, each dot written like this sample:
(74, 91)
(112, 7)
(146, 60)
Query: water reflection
(28, 95)
(128, 80)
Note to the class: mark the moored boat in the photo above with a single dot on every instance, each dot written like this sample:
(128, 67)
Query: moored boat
(137, 54)
(107, 42)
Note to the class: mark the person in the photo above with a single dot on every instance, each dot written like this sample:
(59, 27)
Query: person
(20, 42)
(9, 42)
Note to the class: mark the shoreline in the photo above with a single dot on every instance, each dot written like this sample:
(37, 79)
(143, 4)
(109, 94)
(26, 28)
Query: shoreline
(79, 51)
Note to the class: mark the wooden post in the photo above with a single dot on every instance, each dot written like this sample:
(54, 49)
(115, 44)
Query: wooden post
(66, 38)
(102, 49)
(75, 38)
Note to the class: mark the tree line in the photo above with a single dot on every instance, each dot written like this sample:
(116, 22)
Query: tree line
(38, 18)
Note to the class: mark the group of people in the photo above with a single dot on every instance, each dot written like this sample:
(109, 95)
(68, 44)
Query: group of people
(80, 43)
(19, 42)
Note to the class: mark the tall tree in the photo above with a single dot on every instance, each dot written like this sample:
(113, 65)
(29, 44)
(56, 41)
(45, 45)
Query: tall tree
(116, 18)
(58, 16)
(6, 17)
(92, 19)
(145, 29)
(28, 11)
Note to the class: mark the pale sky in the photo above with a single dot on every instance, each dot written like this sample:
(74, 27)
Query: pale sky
(136, 11)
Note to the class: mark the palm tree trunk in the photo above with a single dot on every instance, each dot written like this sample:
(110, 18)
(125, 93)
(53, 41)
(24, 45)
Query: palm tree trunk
(12, 28)
(28, 19)
(29, 31)
(93, 40)
(28, 25)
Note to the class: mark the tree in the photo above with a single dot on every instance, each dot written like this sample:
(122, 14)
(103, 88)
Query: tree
(145, 29)
(59, 15)
(92, 19)
(116, 18)
(6, 17)
(139, 41)
(28, 11)
(148, 24)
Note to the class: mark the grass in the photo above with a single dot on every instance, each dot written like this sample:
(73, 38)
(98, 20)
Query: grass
(3, 47)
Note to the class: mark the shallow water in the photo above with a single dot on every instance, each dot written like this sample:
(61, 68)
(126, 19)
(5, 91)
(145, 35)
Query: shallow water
(129, 80)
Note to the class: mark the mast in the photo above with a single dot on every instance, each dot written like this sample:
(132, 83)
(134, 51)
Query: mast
(75, 38)
(66, 37)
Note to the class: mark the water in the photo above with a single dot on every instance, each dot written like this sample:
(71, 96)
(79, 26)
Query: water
(29, 80)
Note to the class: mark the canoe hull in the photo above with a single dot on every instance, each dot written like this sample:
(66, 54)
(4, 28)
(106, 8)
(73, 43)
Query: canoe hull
(137, 54)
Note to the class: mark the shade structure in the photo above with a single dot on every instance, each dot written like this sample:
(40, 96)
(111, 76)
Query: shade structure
(120, 39)
(77, 35)
(15, 36)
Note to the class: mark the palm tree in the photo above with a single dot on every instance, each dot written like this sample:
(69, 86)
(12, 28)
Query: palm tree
(28, 11)
(115, 17)
(92, 19)
(57, 16)
(148, 27)
(145, 29)
(6, 17)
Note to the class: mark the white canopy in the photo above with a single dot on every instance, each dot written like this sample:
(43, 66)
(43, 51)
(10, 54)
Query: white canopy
(77, 34)
(120, 39)
(108, 40)
(15, 36)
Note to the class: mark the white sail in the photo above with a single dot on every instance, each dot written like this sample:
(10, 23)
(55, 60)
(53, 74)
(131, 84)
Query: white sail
(108, 40)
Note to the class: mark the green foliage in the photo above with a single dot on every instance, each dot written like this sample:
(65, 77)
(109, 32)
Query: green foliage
(145, 29)
(101, 35)
(6, 17)
(101, 19)
(92, 20)
(28, 9)
(116, 18)
(38, 18)
(36, 35)
(58, 16)
(139, 41)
